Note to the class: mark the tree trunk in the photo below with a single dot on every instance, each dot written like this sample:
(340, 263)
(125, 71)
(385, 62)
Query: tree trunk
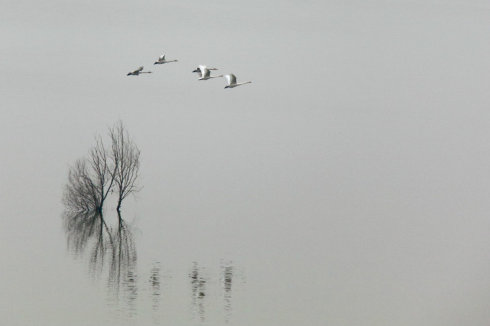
(118, 209)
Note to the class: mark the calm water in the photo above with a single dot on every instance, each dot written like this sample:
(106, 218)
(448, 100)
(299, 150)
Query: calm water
(151, 292)
(283, 268)
(197, 284)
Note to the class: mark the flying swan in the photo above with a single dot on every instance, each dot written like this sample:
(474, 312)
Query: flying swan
(206, 74)
(161, 60)
(231, 81)
(138, 71)
(202, 67)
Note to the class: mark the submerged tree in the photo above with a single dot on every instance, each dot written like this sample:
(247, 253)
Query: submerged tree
(92, 180)
(80, 195)
(102, 171)
(125, 155)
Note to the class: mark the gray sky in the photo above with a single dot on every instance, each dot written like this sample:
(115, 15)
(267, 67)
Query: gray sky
(350, 179)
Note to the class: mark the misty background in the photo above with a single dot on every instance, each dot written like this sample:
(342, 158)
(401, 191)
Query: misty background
(349, 181)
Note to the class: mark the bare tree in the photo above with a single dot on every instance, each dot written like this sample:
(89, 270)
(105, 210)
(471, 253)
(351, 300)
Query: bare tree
(102, 171)
(90, 180)
(88, 184)
(125, 157)
(80, 195)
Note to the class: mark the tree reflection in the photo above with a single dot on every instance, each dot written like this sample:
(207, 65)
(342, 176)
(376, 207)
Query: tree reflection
(198, 287)
(155, 282)
(227, 281)
(123, 260)
(110, 249)
(106, 172)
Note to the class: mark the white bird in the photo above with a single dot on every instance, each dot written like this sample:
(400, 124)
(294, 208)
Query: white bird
(206, 74)
(231, 81)
(138, 71)
(202, 67)
(161, 60)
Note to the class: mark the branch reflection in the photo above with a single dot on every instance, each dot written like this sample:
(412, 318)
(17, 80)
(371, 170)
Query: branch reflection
(198, 287)
(109, 247)
(227, 281)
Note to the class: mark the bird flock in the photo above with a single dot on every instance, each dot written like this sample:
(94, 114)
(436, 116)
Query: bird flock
(203, 71)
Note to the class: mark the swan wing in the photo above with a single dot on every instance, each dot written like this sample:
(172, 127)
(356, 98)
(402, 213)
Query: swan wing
(161, 58)
(230, 79)
(205, 72)
(139, 69)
